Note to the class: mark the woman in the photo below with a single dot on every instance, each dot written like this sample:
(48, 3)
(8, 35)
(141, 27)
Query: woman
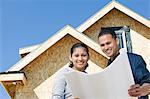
(79, 57)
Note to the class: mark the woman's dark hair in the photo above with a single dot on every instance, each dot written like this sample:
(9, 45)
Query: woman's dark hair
(77, 45)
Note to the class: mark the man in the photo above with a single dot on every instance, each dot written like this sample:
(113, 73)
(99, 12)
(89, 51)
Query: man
(109, 44)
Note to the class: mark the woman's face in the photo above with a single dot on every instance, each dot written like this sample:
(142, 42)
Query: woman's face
(79, 58)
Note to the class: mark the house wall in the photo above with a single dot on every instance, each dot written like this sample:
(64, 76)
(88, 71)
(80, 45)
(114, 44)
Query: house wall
(142, 47)
(48, 63)
(140, 39)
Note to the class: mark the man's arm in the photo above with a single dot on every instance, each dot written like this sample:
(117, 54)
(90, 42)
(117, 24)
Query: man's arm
(141, 77)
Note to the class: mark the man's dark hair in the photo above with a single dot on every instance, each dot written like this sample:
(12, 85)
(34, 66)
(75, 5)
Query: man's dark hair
(105, 31)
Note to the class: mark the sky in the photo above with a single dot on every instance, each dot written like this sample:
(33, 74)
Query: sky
(29, 22)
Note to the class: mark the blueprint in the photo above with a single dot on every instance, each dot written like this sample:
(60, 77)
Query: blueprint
(111, 83)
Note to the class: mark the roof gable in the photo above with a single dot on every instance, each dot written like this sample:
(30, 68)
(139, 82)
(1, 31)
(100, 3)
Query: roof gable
(52, 40)
(106, 9)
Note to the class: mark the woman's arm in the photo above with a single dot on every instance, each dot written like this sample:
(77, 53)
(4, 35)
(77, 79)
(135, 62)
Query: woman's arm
(59, 86)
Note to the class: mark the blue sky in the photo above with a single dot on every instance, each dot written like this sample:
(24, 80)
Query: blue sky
(28, 22)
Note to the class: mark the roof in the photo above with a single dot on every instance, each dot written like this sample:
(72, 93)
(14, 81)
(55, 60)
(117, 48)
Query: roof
(52, 40)
(99, 15)
(28, 49)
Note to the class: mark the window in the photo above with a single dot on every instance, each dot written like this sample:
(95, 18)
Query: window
(124, 38)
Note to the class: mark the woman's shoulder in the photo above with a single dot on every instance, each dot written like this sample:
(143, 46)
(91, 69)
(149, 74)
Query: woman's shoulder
(60, 74)
(65, 70)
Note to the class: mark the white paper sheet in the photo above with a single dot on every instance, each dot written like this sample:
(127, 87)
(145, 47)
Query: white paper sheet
(112, 83)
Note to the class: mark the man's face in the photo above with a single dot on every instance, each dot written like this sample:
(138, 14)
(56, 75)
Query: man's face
(108, 45)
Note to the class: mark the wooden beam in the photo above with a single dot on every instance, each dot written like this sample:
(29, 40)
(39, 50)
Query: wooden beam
(14, 77)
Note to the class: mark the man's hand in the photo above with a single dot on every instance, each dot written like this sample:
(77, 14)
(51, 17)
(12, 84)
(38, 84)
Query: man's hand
(137, 90)
(73, 98)
(76, 98)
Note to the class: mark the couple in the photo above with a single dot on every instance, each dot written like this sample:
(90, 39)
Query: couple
(108, 42)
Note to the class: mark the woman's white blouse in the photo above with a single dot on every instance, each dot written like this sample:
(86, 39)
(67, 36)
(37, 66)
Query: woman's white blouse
(60, 88)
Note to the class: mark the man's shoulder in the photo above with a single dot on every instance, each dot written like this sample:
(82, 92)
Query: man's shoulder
(134, 55)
